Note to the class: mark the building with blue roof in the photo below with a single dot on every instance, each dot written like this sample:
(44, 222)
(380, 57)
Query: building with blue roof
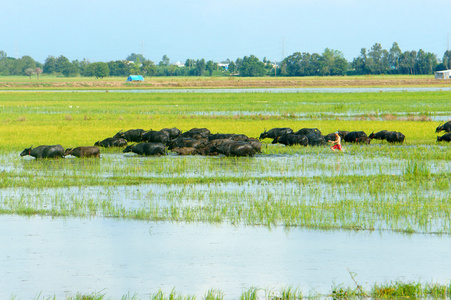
(132, 78)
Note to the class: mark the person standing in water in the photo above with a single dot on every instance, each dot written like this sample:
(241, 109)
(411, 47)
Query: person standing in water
(337, 143)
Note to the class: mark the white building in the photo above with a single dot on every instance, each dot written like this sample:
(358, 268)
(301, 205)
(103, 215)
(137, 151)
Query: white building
(443, 74)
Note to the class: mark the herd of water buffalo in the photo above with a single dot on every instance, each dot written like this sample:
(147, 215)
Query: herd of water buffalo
(200, 141)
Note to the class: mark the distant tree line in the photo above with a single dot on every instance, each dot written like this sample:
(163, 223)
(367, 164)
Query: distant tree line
(329, 63)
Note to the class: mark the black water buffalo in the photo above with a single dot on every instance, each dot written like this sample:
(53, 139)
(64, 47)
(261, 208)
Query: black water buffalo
(146, 149)
(381, 135)
(306, 131)
(232, 136)
(444, 138)
(275, 133)
(235, 149)
(44, 151)
(331, 136)
(197, 133)
(446, 127)
(395, 137)
(91, 151)
(256, 144)
(185, 150)
(173, 132)
(353, 135)
(211, 147)
(156, 137)
(362, 140)
(315, 139)
(111, 142)
(290, 139)
(181, 142)
(132, 135)
(220, 136)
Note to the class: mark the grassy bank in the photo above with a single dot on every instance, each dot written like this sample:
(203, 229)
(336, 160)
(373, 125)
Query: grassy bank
(52, 82)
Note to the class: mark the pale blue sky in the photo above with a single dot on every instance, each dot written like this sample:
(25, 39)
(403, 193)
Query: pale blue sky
(104, 30)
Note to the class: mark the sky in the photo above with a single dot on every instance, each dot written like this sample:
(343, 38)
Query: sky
(105, 30)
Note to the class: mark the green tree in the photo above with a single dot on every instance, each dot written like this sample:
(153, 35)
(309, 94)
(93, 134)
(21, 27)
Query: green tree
(61, 63)
(293, 65)
(134, 57)
(22, 64)
(332, 62)
(425, 62)
(119, 67)
(82, 66)
(379, 59)
(164, 61)
(135, 68)
(251, 67)
(50, 65)
(69, 69)
(440, 67)
(148, 68)
(238, 63)
(361, 64)
(98, 69)
(200, 67)
(232, 67)
(210, 67)
(190, 63)
(393, 58)
(407, 62)
(3, 54)
(6, 65)
(447, 59)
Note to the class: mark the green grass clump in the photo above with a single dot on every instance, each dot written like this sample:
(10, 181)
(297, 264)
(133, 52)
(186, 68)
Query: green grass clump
(392, 290)
(410, 290)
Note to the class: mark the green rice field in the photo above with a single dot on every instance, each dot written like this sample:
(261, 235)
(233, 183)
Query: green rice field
(386, 188)
(374, 187)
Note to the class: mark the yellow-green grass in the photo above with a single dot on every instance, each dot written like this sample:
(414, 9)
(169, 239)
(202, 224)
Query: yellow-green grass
(83, 118)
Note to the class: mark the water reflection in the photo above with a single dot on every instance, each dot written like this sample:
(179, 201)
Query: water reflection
(65, 256)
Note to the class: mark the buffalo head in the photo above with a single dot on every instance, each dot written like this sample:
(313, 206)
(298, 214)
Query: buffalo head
(118, 135)
(128, 149)
(26, 151)
(68, 151)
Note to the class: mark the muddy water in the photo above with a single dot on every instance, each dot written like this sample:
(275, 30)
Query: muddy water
(64, 256)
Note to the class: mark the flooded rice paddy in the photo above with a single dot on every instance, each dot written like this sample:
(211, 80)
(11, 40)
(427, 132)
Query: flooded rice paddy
(304, 217)
(118, 257)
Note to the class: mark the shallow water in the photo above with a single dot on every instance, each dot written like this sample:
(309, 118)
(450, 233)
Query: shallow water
(254, 90)
(64, 256)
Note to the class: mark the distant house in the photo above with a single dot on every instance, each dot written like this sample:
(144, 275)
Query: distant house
(132, 78)
(443, 74)
(225, 66)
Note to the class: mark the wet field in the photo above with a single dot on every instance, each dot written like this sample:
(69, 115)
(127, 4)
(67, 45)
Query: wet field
(99, 252)
(301, 217)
